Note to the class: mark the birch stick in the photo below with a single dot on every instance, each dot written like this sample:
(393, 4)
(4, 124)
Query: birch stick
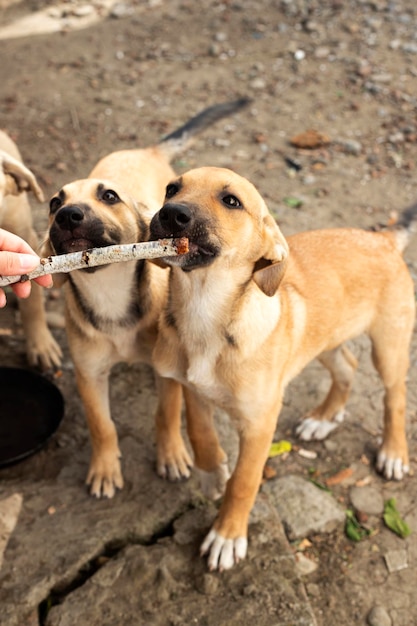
(63, 263)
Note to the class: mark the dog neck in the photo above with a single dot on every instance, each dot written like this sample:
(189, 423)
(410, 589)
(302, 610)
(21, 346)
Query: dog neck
(110, 297)
(218, 312)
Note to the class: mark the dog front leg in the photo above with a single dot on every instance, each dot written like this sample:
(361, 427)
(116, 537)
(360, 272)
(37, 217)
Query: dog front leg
(173, 460)
(226, 543)
(41, 347)
(104, 475)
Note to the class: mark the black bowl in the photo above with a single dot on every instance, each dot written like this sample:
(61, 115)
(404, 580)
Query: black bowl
(31, 409)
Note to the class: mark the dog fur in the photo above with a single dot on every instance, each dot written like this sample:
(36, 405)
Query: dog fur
(112, 312)
(16, 216)
(248, 309)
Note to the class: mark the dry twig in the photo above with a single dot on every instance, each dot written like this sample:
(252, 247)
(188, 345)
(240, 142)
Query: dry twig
(64, 263)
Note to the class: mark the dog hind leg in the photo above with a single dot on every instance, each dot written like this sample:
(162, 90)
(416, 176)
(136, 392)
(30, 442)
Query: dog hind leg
(209, 458)
(391, 361)
(322, 420)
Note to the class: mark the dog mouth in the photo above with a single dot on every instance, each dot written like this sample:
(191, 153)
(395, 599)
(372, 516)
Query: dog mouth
(198, 255)
(78, 240)
(202, 251)
(76, 245)
(72, 244)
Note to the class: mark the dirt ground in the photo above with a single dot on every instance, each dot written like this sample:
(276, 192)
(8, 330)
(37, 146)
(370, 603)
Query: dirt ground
(346, 69)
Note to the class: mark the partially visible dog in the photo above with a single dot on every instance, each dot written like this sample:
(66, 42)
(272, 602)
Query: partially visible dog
(15, 216)
(112, 312)
(247, 310)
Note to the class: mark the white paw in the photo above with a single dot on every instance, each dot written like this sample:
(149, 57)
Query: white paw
(223, 553)
(213, 484)
(312, 429)
(391, 468)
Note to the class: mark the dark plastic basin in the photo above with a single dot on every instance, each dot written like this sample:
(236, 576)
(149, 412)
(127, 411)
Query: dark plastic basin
(31, 409)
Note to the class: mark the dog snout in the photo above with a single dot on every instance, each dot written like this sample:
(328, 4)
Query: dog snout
(69, 217)
(174, 218)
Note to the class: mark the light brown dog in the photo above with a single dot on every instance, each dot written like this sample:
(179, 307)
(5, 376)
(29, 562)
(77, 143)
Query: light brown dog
(16, 217)
(248, 309)
(112, 311)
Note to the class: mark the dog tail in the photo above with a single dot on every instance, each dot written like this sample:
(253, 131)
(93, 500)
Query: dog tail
(405, 226)
(177, 141)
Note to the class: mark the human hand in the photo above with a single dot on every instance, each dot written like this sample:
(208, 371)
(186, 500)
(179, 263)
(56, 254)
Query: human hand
(17, 257)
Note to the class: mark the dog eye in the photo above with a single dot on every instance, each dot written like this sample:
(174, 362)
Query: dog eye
(55, 204)
(232, 202)
(171, 190)
(110, 197)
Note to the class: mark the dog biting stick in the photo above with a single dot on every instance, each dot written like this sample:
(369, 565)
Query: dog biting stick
(82, 259)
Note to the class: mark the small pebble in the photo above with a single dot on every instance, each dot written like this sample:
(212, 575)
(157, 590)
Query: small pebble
(304, 565)
(257, 84)
(396, 560)
(378, 616)
(350, 146)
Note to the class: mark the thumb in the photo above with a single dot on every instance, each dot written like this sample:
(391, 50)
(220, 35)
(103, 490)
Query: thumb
(17, 263)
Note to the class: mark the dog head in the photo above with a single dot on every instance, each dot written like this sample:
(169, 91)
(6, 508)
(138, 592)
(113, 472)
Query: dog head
(16, 178)
(91, 213)
(226, 221)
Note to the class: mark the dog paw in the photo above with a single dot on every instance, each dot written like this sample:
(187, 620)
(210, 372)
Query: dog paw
(223, 553)
(213, 484)
(391, 467)
(312, 429)
(104, 477)
(43, 350)
(174, 463)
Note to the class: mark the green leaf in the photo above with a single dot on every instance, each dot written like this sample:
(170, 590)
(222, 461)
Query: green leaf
(293, 202)
(393, 519)
(353, 528)
(279, 447)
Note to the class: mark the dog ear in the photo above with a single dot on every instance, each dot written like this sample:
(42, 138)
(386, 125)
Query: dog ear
(270, 268)
(18, 177)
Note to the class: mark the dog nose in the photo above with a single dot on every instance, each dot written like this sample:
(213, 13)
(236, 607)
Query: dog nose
(174, 218)
(69, 217)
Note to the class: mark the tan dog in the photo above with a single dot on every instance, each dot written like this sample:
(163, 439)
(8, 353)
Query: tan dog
(16, 217)
(247, 310)
(112, 311)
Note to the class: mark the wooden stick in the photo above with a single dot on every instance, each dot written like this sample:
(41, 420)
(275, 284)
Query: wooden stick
(64, 263)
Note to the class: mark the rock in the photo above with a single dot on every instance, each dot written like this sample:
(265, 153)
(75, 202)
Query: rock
(321, 52)
(378, 616)
(310, 139)
(350, 146)
(396, 560)
(299, 55)
(303, 507)
(410, 47)
(257, 84)
(9, 513)
(120, 10)
(367, 500)
(304, 565)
